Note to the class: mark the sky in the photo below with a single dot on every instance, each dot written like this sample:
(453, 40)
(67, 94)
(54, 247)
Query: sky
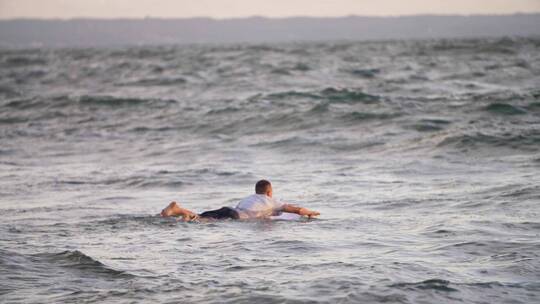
(243, 8)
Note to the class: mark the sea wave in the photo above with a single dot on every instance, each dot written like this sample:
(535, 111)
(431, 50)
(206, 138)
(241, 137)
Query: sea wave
(78, 260)
(526, 140)
(72, 260)
(65, 101)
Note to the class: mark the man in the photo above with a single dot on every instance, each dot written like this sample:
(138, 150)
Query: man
(256, 206)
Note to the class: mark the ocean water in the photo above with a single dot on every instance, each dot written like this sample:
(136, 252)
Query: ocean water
(423, 158)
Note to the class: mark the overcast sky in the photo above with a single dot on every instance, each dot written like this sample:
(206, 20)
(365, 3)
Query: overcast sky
(243, 8)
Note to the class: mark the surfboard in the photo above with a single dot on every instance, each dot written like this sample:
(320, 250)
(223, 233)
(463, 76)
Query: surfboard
(285, 216)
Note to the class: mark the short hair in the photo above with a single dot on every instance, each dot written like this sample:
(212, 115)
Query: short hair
(262, 186)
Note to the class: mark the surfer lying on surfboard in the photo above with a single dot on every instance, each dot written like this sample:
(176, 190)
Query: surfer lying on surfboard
(258, 205)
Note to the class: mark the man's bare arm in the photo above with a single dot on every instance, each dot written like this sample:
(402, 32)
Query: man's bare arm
(299, 210)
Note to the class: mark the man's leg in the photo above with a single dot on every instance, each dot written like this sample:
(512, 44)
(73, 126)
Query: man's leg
(174, 209)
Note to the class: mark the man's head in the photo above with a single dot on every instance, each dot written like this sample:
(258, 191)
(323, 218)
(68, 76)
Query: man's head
(263, 187)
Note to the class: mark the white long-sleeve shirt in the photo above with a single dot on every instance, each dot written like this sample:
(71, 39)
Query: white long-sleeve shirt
(258, 206)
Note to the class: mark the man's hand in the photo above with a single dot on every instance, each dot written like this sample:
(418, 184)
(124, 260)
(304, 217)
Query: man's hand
(307, 212)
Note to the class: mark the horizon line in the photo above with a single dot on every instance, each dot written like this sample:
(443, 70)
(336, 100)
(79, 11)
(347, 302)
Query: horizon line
(263, 17)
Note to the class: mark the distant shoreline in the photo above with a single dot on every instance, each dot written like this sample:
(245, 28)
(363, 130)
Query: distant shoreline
(95, 32)
(265, 17)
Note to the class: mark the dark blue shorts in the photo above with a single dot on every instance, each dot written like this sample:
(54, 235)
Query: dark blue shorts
(221, 214)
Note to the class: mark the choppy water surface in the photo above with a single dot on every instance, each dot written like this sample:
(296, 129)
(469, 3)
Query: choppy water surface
(422, 156)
